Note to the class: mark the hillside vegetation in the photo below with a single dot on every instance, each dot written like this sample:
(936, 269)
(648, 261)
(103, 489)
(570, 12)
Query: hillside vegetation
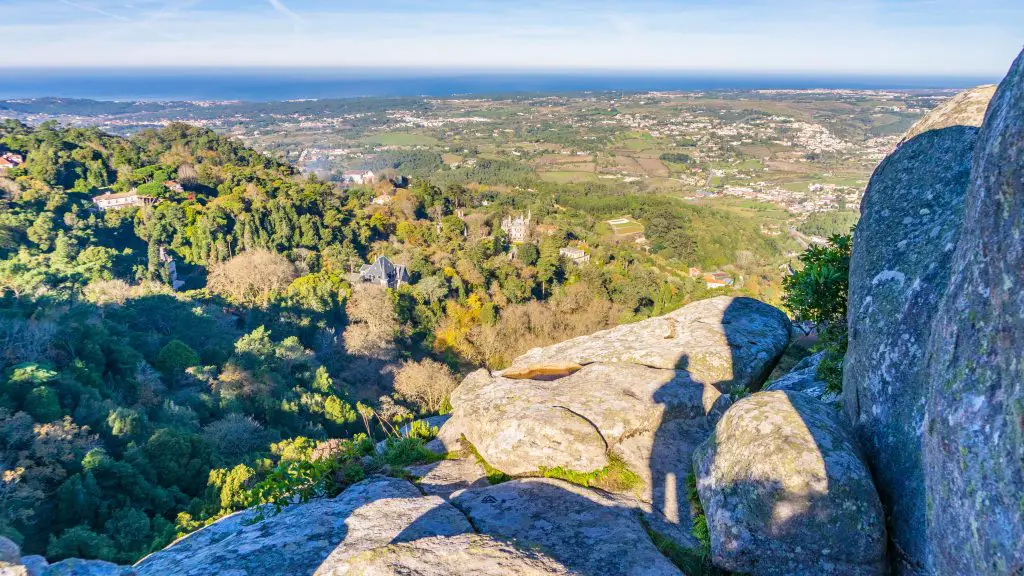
(132, 413)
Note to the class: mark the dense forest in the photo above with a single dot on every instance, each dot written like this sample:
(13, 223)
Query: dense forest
(157, 362)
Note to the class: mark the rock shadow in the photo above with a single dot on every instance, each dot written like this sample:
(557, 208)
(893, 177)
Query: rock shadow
(782, 482)
(680, 433)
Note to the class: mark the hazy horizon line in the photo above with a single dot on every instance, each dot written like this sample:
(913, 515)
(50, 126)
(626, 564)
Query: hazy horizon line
(429, 71)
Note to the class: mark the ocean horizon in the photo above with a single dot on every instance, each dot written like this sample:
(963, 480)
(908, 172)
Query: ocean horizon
(264, 85)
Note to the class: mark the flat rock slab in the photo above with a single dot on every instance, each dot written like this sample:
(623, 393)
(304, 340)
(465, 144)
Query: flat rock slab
(582, 529)
(312, 537)
(465, 554)
(786, 491)
(721, 341)
(447, 476)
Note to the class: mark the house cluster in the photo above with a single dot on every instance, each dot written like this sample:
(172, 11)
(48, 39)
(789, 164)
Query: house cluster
(575, 254)
(358, 177)
(111, 201)
(717, 280)
(174, 186)
(383, 273)
(10, 160)
(518, 228)
(711, 279)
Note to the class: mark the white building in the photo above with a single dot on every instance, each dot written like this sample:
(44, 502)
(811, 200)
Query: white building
(110, 201)
(359, 177)
(577, 255)
(518, 228)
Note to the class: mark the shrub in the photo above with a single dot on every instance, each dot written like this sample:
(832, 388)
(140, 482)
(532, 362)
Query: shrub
(818, 293)
(426, 384)
(79, 542)
(175, 357)
(254, 277)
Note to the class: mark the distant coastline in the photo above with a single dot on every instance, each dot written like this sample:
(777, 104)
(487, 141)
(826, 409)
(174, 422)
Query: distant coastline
(291, 84)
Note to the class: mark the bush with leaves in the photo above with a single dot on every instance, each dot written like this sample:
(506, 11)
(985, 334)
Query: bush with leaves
(818, 293)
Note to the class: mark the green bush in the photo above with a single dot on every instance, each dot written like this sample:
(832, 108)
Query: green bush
(176, 356)
(818, 293)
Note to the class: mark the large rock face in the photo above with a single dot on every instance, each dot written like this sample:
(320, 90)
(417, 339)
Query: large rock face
(899, 271)
(387, 526)
(965, 109)
(974, 419)
(785, 491)
(647, 392)
(519, 426)
(310, 538)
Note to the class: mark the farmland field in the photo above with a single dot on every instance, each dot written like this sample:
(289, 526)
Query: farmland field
(625, 226)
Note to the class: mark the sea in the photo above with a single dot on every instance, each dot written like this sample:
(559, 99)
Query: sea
(299, 84)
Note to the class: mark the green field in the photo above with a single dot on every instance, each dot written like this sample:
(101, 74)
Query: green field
(401, 139)
(567, 177)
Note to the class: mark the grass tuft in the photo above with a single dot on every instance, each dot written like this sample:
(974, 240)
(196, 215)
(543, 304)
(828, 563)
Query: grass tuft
(615, 477)
(690, 562)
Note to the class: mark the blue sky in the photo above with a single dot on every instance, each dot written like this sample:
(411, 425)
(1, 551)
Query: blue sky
(920, 37)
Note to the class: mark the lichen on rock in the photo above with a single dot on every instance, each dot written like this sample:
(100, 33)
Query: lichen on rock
(786, 491)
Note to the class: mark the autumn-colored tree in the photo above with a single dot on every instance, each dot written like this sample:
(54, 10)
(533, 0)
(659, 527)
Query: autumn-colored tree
(373, 323)
(426, 384)
(255, 277)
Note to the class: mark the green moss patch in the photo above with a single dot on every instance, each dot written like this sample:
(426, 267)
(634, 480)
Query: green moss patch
(615, 477)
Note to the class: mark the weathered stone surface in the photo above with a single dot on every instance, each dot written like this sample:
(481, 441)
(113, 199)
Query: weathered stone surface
(965, 109)
(899, 271)
(582, 529)
(721, 341)
(974, 417)
(647, 392)
(571, 422)
(10, 553)
(785, 491)
(468, 554)
(34, 564)
(444, 477)
(804, 378)
(13, 564)
(78, 567)
(312, 537)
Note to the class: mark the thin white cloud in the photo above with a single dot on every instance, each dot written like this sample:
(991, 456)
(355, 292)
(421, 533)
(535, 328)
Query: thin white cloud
(97, 10)
(861, 36)
(280, 8)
